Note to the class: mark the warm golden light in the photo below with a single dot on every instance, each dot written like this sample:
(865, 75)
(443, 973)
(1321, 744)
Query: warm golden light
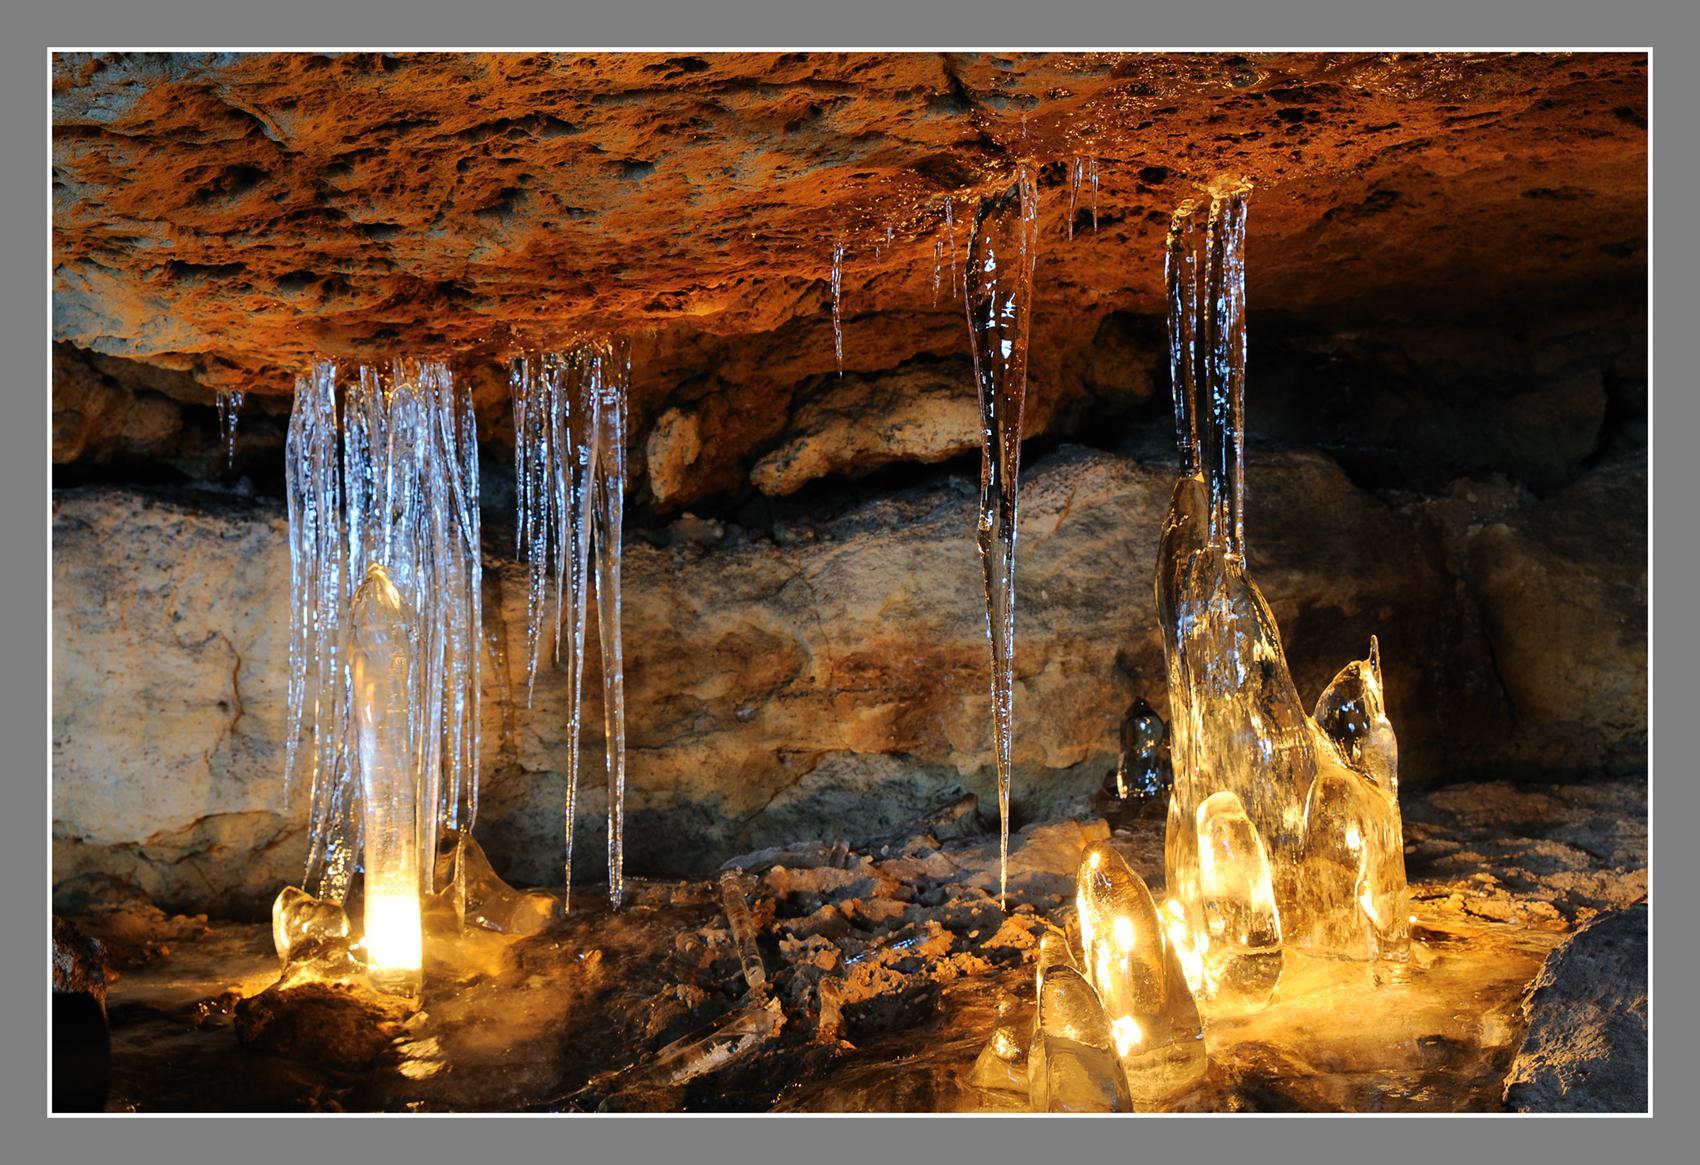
(381, 660)
(1127, 1035)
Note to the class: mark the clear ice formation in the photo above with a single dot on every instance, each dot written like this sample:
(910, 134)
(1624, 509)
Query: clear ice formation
(403, 494)
(1001, 251)
(1072, 1064)
(381, 666)
(1240, 947)
(1354, 855)
(301, 921)
(1002, 1064)
(1153, 1018)
(481, 899)
(570, 481)
(1236, 720)
(1352, 713)
(734, 1036)
(229, 408)
(1143, 771)
(737, 908)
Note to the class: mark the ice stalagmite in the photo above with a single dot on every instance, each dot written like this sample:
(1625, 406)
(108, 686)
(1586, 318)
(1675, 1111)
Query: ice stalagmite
(1353, 876)
(1240, 946)
(1072, 1064)
(1352, 713)
(1001, 252)
(570, 464)
(1237, 721)
(1138, 975)
(381, 662)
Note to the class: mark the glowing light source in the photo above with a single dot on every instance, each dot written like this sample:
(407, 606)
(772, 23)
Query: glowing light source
(381, 661)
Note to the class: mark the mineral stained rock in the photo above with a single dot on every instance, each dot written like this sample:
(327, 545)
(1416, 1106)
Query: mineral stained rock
(222, 216)
(836, 691)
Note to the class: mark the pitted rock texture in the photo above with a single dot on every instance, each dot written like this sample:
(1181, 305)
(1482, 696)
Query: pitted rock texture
(224, 216)
(822, 678)
(1586, 1048)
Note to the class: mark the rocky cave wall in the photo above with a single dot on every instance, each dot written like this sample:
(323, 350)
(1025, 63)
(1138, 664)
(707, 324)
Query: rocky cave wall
(1446, 402)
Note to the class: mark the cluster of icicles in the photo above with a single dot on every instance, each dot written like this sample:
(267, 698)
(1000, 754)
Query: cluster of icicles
(1284, 831)
(387, 641)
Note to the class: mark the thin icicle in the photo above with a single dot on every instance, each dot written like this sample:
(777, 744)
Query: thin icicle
(570, 420)
(1076, 172)
(1092, 169)
(608, 481)
(958, 278)
(1001, 252)
(938, 256)
(838, 304)
(229, 407)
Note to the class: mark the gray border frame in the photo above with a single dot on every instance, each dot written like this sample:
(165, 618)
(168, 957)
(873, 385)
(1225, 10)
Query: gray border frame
(24, 579)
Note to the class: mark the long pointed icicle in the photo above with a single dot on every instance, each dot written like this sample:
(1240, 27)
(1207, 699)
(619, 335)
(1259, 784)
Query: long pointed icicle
(570, 438)
(999, 287)
(608, 480)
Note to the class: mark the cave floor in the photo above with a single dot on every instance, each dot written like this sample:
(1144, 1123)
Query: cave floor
(904, 942)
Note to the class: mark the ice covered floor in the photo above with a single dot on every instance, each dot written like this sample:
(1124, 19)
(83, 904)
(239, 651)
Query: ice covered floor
(902, 942)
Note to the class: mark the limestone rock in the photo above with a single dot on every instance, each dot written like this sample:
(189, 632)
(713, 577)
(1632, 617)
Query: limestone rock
(778, 688)
(1586, 1048)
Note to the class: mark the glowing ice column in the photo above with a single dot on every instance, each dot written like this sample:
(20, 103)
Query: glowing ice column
(1240, 946)
(1244, 730)
(1355, 903)
(1138, 974)
(999, 293)
(380, 657)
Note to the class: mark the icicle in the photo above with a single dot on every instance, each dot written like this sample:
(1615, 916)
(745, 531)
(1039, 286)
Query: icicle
(318, 696)
(938, 255)
(570, 433)
(1001, 253)
(958, 278)
(405, 497)
(1093, 170)
(1075, 174)
(837, 304)
(608, 479)
(229, 406)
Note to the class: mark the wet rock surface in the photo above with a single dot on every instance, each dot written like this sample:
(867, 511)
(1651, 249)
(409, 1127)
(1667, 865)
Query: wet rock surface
(888, 966)
(830, 672)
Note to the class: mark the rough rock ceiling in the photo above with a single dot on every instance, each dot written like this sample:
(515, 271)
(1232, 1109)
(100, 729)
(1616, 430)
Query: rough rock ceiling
(227, 215)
